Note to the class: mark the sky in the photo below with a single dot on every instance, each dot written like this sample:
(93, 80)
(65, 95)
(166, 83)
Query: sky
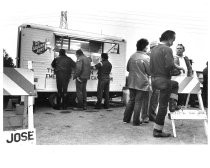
(130, 20)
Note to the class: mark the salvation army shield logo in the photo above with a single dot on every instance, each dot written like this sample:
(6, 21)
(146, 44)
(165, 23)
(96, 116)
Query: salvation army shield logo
(39, 47)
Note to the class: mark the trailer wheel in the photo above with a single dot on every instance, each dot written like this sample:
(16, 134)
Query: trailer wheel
(53, 99)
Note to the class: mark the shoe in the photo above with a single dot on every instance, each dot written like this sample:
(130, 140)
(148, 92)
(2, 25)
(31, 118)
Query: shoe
(77, 109)
(57, 108)
(137, 124)
(97, 107)
(173, 105)
(126, 122)
(160, 134)
(152, 119)
(146, 120)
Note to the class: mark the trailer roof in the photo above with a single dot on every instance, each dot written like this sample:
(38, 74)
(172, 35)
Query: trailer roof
(74, 33)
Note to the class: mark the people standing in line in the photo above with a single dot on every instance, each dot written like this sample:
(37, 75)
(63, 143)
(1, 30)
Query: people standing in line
(154, 94)
(104, 69)
(138, 82)
(205, 86)
(63, 66)
(161, 63)
(184, 62)
(82, 74)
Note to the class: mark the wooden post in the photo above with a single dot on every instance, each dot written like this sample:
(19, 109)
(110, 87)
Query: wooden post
(173, 127)
(187, 101)
(205, 122)
(30, 103)
(25, 112)
(30, 112)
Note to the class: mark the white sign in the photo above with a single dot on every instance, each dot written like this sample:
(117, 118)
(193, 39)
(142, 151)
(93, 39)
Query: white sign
(189, 114)
(25, 136)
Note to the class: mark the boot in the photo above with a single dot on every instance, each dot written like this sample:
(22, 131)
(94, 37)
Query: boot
(98, 105)
(160, 134)
(173, 105)
(57, 107)
(64, 102)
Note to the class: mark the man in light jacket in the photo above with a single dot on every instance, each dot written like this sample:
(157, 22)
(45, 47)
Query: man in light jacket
(138, 82)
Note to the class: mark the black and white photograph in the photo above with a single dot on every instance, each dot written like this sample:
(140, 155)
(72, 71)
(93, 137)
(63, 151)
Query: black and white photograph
(93, 78)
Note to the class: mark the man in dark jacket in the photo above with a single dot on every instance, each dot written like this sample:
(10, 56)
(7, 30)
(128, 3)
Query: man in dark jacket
(161, 63)
(104, 68)
(82, 74)
(63, 67)
(205, 86)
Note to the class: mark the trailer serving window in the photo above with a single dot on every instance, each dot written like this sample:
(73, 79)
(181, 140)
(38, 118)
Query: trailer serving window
(112, 48)
(71, 44)
(90, 48)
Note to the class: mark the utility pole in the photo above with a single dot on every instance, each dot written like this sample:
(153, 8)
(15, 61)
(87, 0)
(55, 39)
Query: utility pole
(63, 20)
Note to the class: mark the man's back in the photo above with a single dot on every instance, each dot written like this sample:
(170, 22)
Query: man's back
(83, 67)
(161, 61)
(138, 68)
(104, 70)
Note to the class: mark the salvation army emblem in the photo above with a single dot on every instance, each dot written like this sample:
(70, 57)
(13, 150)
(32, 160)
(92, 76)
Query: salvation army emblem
(39, 47)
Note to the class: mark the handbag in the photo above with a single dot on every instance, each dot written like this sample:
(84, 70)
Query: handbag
(175, 72)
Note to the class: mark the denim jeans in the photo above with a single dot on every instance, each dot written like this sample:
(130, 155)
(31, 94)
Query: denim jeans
(153, 103)
(166, 87)
(144, 110)
(134, 105)
(81, 93)
(103, 89)
(62, 81)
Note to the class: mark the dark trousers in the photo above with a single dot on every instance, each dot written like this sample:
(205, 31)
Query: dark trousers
(153, 103)
(166, 87)
(145, 105)
(62, 80)
(81, 93)
(182, 99)
(134, 105)
(205, 95)
(103, 89)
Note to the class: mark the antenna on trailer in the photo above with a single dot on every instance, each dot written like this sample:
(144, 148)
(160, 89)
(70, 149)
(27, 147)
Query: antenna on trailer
(63, 20)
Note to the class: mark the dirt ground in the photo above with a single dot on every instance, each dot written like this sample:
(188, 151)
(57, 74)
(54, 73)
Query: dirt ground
(102, 127)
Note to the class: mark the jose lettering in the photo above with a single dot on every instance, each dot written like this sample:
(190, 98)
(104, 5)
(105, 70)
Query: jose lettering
(24, 136)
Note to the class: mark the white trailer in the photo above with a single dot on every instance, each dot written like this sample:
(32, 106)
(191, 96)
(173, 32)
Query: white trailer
(40, 44)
